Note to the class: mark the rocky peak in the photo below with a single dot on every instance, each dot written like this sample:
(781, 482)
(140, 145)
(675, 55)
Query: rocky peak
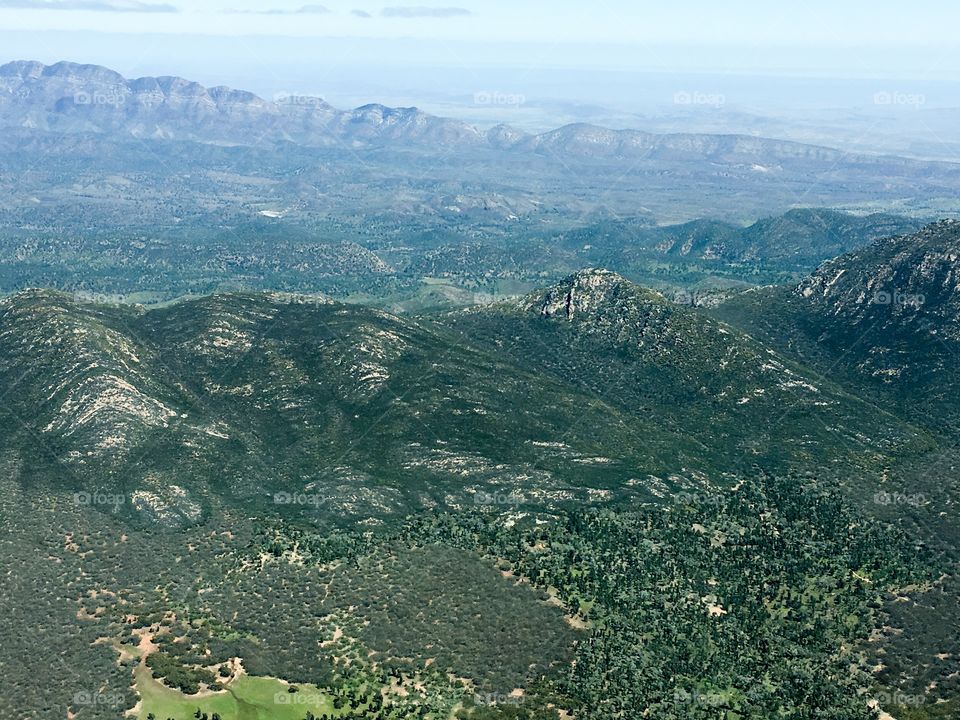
(373, 111)
(505, 136)
(582, 294)
(79, 73)
(23, 69)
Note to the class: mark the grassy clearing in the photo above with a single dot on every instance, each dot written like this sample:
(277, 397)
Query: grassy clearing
(246, 698)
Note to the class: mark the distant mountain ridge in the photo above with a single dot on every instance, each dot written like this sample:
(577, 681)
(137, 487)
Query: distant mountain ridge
(82, 125)
(799, 236)
(71, 97)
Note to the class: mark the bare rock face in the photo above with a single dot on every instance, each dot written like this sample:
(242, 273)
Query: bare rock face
(580, 294)
(91, 384)
(891, 311)
(912, 282)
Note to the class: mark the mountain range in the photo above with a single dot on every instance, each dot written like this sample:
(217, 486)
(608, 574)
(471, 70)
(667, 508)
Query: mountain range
(75, 98)
(70, 97)
(594, 386)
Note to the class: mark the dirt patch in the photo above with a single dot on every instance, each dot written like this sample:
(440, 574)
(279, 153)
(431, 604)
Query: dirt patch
(146, 646)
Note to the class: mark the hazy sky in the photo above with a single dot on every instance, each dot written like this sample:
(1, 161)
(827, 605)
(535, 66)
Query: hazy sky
(814, 24)
(438, 51)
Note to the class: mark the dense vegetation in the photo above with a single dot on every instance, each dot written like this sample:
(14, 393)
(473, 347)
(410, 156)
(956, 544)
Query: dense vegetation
(587, 502)
(393, 259)
(735, 604)
(751, 605)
